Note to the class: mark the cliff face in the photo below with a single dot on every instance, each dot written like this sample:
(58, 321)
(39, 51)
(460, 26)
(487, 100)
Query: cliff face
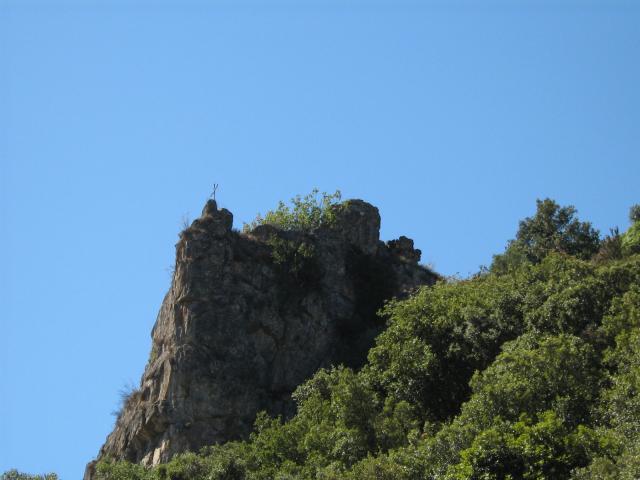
(249, 317)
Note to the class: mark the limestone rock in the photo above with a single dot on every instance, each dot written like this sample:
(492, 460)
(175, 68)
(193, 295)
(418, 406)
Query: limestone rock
(249, 317)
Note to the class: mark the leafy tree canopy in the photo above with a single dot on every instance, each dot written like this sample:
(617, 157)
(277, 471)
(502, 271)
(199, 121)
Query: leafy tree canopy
(634, 213)
(631, 238)
(552, 229)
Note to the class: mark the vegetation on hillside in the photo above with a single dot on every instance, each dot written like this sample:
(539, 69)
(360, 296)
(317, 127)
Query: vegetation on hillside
(528, 370)
(15, 475)
(630, 241)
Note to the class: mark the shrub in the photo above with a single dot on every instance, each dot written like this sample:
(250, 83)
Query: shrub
(122, 470)
(296, 260)
(306, 213)
(129, 394)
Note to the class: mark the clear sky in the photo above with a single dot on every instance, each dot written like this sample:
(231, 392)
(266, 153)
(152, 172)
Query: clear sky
(117, 117)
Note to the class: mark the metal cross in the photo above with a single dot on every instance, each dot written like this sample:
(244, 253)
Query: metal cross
(213, 194)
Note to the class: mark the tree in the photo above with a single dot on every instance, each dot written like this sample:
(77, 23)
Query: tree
(631, 238)
(552, 229)
(610, 247)
(634, 213)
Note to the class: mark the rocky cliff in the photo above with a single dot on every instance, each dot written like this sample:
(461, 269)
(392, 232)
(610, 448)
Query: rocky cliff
(250, 316)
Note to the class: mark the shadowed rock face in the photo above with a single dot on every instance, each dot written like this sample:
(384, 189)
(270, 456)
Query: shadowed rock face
(249, 317)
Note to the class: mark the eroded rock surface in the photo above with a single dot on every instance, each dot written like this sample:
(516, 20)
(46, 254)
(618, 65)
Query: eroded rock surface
(249, 317)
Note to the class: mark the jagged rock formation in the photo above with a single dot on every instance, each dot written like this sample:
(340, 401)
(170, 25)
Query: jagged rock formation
(251, 316)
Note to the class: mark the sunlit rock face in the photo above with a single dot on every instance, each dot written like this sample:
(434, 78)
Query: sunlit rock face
(250, 316)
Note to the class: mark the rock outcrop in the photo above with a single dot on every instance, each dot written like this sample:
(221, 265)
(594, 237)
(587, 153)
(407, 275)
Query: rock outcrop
(251, 316)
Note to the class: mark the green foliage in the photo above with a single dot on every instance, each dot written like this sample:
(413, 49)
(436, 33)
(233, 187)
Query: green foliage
(631, 240)
(528, 450)
(436, 340)
(625, 466)
(110, 470)
(305, 213)
(634, 213)
(619, 406)
(610, 247)
(616, 245)
(528, 371)
(535, 374)
(214, 463)
(15, 475)
(294, 255)
(514, 256)
(552, 229)
(296, 259)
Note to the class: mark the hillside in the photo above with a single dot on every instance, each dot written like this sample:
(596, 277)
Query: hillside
(251, 315)
(530, 369)
(306, 348)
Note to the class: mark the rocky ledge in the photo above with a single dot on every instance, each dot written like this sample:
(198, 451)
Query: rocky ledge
(250, 316)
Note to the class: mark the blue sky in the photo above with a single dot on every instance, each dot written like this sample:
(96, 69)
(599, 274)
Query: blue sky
(116, 118)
